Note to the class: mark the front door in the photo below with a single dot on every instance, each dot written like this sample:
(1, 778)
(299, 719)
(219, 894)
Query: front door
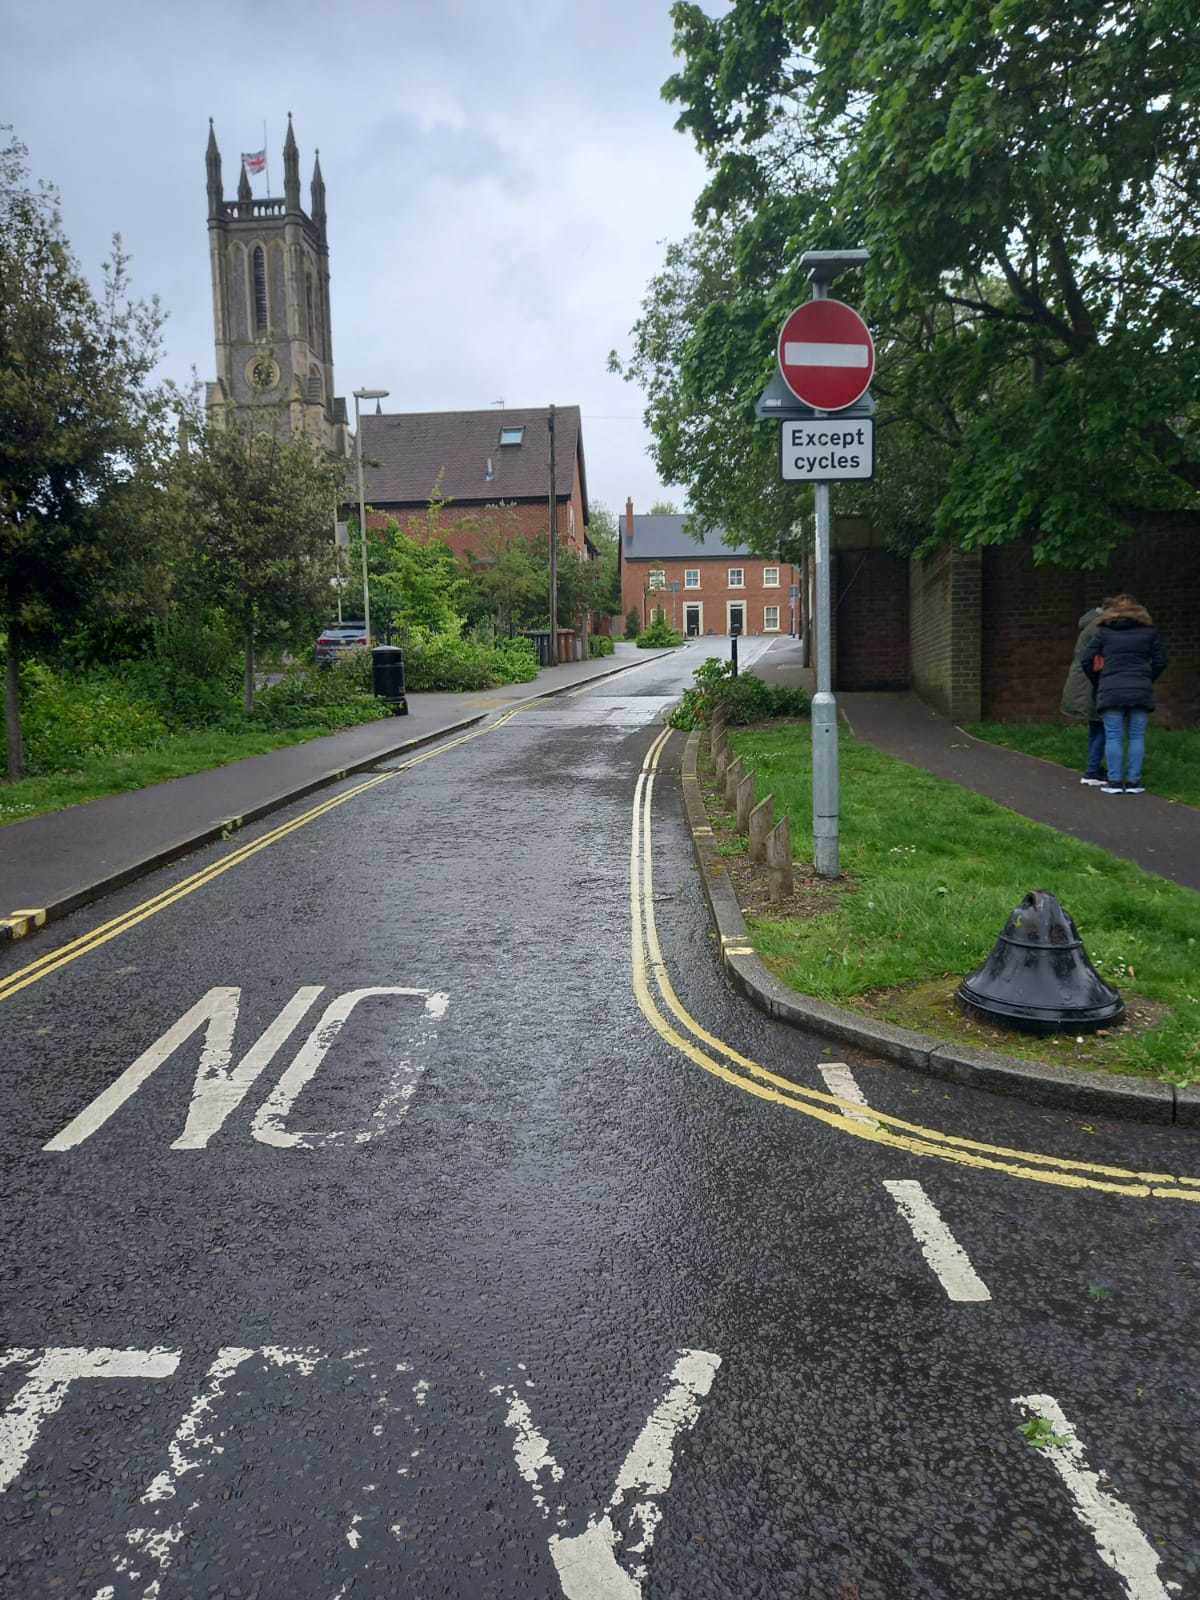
(737, 617)
(691, 621)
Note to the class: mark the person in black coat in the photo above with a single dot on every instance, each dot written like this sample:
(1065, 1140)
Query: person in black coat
(1123, 657)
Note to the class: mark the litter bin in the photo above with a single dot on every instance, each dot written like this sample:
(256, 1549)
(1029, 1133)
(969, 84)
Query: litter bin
(387, 677)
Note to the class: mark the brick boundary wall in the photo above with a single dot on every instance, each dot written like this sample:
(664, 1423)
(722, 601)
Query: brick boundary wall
(870, 631)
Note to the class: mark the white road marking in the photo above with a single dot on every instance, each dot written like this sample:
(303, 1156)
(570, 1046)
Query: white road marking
(586, 1562)
(1121, 1543)
(268, 1125)
(194, 1448)
(44, 1391)
(940, 1248)
(839, 1080)
(805, 353)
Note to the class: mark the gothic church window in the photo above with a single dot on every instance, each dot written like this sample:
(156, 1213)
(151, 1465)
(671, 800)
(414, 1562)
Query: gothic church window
(260, 289)
(308, 296)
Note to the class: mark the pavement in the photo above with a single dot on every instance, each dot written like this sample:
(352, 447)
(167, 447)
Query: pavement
(407, 1206)
(52, 864)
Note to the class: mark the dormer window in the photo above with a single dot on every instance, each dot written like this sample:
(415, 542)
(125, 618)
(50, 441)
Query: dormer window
(512, 435)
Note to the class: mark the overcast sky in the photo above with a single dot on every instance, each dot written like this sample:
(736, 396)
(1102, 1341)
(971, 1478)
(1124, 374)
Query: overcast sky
(501, 175)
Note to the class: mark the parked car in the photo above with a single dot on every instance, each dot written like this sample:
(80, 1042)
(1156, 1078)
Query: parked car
(339, 641)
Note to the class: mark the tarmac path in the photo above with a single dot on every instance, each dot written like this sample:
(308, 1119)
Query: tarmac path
(397, 1201)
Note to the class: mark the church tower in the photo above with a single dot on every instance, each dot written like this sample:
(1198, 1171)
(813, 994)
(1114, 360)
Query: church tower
(270, 279)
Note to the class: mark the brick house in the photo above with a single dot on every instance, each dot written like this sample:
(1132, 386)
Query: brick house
(492, 467)
(706, 586)
(987, 635)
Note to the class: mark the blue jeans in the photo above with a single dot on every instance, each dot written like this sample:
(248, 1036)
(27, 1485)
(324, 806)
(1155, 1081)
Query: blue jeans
(1125, 743)
(1095, 759)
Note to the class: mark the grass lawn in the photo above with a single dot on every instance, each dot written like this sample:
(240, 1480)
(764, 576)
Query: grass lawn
(1172, 755)
(175, 757)
(933, 872)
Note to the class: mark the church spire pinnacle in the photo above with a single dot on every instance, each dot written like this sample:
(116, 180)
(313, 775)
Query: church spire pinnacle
(212, 163)
(291, 169)
(245, 193)
(318, 194)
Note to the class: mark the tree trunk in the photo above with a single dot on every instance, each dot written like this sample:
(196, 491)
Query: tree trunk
(12, 707)
(248, 698)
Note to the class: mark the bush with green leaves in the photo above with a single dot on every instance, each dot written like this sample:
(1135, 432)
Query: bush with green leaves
(70, 719)
(337, 696)
(660, 635)
(633, 622)
(447, 662)
(599, 644)
(746, 698)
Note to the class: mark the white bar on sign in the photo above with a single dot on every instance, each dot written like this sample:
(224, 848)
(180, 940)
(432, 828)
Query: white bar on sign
(798, 353)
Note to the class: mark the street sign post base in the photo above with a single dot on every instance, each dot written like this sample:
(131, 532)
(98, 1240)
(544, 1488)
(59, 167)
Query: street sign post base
(825, 785)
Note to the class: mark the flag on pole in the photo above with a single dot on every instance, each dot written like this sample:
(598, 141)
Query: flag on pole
(254, 161)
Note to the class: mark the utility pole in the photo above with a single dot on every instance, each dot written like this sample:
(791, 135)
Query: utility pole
(553, 547)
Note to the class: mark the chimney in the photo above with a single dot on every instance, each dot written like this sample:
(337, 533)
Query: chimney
(629, 518)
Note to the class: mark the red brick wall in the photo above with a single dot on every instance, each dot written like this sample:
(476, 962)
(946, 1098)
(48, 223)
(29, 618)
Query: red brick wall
(713, 593)
(870, 637)
(944, 602)
(464, 527)
(1031, 614)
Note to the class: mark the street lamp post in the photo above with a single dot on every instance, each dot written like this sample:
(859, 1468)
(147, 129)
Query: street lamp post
(364, 394)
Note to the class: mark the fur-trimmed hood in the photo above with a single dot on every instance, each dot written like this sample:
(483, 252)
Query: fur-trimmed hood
(1127, 615)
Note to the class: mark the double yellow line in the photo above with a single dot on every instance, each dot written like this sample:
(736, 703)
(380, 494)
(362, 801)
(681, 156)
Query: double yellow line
(54, 960)
(652, 984)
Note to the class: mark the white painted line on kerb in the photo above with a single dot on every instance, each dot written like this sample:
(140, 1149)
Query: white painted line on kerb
(940, 1248)
(1121, 1543)
(799, 353)
(839, 1080)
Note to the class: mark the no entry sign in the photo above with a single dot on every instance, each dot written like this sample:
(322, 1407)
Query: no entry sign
(826, 354)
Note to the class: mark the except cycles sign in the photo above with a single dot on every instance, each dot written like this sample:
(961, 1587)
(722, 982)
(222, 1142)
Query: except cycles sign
(826, 449)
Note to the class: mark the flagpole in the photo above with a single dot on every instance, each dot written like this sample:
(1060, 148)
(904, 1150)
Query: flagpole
(268, 157)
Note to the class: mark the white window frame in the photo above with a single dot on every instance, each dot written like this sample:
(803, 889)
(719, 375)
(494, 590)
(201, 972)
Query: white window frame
(768, 625)
(740, 581)
(741, 604)
(691, 577)
(770, 582)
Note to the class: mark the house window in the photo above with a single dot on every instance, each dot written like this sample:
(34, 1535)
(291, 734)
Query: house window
(770, 577)
(770, 619)
(691, 577)
(511, 435)
(260, 289)
(737, 578)
(571, 520)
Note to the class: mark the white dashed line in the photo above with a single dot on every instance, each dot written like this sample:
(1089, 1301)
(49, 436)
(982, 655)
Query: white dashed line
(839, 1080)
(940, 1248)
(1121, 1543)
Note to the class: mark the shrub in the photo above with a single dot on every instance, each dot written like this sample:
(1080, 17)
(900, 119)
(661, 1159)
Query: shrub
(659, 635)
(746, 698)
(443, 661)
(599, 644)
(633, 622)
(67, 720)
(337, 696)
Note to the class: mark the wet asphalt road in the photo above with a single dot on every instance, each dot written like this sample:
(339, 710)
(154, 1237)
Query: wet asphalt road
(412, 1316)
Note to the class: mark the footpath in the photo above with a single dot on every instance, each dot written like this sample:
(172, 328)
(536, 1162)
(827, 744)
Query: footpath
(1160, 835)
(52, 864)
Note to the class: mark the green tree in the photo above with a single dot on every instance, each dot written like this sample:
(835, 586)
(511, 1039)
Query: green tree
(664, 508)
(1024, 175)
(415, 580)
(81, 427)
(257, 508)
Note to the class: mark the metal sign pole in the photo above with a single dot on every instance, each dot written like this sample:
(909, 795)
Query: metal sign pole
(824, 706)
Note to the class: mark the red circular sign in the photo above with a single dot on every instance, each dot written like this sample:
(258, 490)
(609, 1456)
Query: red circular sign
(826, 355)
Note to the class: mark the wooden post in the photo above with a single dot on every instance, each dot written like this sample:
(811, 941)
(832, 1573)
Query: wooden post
(722, 762)
(761, 821)
(779, 860)
(734, 773)
(745, 799)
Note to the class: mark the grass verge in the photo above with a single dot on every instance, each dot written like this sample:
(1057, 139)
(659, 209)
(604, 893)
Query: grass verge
(1172, 754)
(175, 756)
(932, 873)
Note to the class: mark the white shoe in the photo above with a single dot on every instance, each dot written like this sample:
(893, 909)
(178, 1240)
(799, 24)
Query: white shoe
(1092, 783)
(1135, 788)
(1112, 788)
